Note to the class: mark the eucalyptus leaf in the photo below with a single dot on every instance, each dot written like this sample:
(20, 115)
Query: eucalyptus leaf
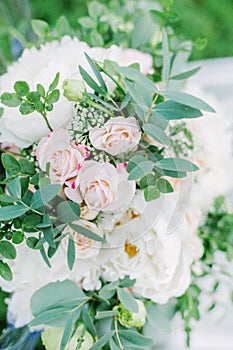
(44, 195)
(68, 211)
(176, 164)
(172, 110)
(188, 100)
(156, 133)
(87, 233)
(102, 341)
(12, 211)
(127, 300)
(71, 253)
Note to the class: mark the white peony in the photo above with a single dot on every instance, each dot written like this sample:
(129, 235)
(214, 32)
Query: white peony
(153, 247)
(40, 66)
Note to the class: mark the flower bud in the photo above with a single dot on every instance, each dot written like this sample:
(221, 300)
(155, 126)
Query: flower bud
(51, 339)
(132, 319)
(73, 89)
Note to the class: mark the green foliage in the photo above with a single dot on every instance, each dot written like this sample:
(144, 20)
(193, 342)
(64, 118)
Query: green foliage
(30, 101)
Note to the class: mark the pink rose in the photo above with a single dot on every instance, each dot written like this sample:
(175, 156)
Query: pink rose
(118, 135)
(104, 188)
(65, 159)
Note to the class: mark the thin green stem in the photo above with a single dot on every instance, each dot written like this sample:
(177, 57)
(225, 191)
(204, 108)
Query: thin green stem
(35, 211)
(96, 105)
(117, 333)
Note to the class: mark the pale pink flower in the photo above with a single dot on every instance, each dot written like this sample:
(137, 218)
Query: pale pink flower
(118, 135)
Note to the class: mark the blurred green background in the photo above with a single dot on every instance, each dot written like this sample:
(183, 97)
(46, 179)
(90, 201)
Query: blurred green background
(210, 19)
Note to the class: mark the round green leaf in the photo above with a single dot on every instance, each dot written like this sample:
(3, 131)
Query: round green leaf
(26, 108)
(5, 271)
(17, 237)
(53, 96)
(10, 100)
(7, 250)
(21, 88)
(32, 242)
(10, 164)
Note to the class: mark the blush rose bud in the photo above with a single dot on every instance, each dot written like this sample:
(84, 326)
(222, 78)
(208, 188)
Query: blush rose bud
(73, 89)
(132, 319)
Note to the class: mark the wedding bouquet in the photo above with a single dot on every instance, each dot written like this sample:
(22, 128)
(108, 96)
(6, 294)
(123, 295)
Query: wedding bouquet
(101, 196)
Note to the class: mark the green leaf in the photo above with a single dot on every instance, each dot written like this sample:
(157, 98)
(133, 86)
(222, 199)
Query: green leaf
(26, 108)
(166, 57)
(55, 82)
(54, 303)
(95, 9)
(41, 90)
(7, 250)
(164, 186)
(30, 221)
(32, 242)
(105, 314)
(17, 237)
(10, 100)
(136, 338)
(158, 120)
(172, 110)
(176, 164)
(8, 199)
(96, 72)
(156, 133)
(135, 75)
(127, 300)
(26, 166)
(1, 111)
(68, 211)
(12, 212)
(102, 341)
(86, 22)
(49, 236)
(139, 166)
(96, 39)
(39, 106)
(67, 333)
(148, 180)
(87, 233)
(5, 271)
(21, 88)
(40, 28)
(33, 97)
(10, 164)
(188, 100)
(158, 318)
(44, 195)
(53, 97)
(71, 253)
(90, 82)
(185, 75)
(87, 320)
(141, 96)
(63, 27)
(127, 282)
(151, 193)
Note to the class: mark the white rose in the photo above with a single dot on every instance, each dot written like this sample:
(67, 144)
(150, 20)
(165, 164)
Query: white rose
(85, 247)
(40, 66)
(118, 135)
(64, 158)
